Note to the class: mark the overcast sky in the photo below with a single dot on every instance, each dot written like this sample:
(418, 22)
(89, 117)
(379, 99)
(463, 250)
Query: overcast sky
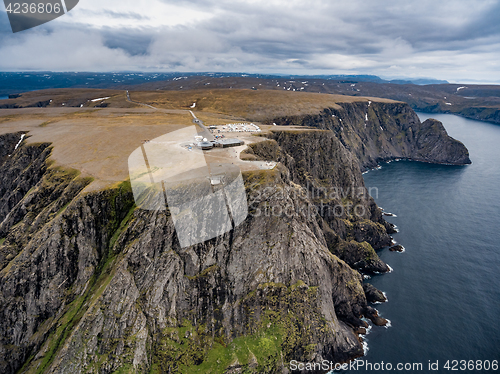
(453, 40)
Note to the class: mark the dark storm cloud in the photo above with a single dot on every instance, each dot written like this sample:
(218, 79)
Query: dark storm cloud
(455, 26)
(280, 31)
(131, 41)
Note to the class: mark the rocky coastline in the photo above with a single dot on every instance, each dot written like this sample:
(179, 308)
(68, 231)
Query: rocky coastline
(89, 283)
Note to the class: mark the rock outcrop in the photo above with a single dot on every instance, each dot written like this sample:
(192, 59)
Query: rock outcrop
(373, 295)
(376, 132)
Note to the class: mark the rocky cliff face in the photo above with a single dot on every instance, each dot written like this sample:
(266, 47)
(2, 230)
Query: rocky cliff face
(375, 132)
(91, 284)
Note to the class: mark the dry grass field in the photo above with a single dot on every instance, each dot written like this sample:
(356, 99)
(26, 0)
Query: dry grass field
(98, 141)
(253, 105)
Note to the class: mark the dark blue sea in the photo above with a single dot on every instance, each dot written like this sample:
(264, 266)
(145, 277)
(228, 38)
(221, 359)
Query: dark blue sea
(444, 292)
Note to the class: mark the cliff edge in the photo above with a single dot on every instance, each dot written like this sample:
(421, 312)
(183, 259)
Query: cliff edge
(90, 283)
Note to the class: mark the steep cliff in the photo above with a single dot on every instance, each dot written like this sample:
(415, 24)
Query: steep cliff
(102, 286)
(377, 132)
(90, 283)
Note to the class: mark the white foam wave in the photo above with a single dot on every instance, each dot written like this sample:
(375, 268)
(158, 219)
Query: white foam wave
(369, 329)
(388, 324)
(390, 269)
(365, 347)
(389, 214)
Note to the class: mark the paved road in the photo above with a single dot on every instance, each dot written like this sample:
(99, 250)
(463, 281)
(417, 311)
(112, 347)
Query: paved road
(203, 131)
(136, 102)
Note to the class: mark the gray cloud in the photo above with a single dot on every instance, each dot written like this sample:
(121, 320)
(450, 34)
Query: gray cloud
(115, 15)
(448, 40)
(132, 42)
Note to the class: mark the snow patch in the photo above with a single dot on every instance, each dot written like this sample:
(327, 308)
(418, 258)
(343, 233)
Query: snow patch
(193, 106)
(19, 143)
(100, 99)
(461, 88)
(448, 103)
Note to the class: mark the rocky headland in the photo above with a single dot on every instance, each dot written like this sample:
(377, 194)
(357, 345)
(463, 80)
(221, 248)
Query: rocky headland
(91, 284)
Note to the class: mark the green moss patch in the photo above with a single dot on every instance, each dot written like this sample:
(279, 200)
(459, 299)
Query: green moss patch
(282, 324)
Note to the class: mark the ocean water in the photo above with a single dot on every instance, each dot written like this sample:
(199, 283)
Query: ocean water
(444, 292)
(3, 97)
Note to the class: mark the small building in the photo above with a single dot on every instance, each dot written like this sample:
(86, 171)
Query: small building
(205, 145)
(230, 142)
(216, 180)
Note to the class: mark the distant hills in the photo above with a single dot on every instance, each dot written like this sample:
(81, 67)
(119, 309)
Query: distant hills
(13, 83)
(480, 102)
